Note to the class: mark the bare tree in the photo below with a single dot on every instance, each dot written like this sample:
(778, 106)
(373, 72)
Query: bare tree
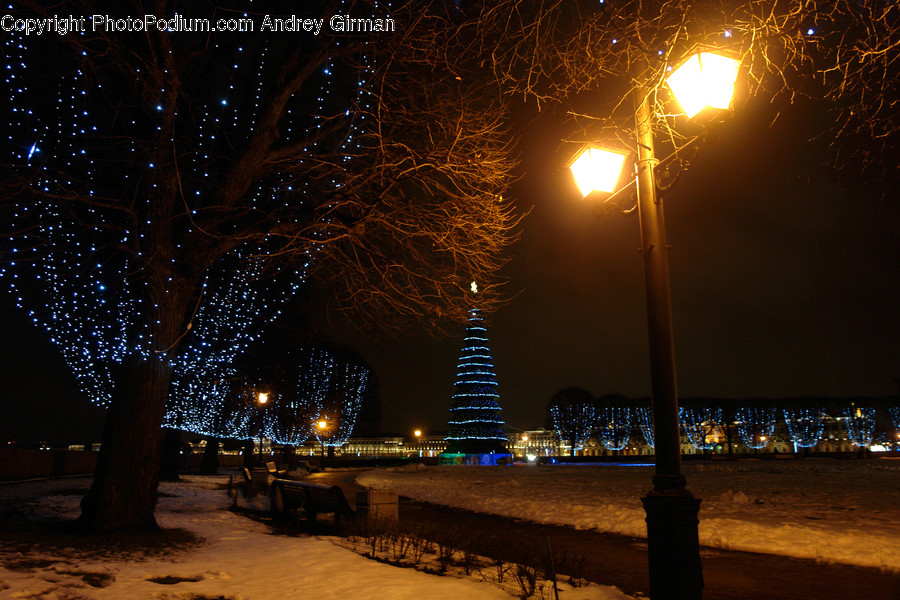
(149, 163)
(844, 55)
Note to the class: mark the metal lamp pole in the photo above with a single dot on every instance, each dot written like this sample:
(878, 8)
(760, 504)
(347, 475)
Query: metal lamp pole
(672, 540)
(261, 399)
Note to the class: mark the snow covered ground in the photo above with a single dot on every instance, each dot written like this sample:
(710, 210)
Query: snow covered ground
(239, 559)
(845, 511)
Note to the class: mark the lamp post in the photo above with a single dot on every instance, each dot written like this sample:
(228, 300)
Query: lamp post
(261, 399)
(322, 427)
(418, 435)
(673, 545)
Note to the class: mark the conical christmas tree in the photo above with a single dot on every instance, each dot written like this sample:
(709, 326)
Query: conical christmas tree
(475, 423)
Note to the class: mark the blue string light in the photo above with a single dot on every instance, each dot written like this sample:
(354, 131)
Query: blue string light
(860, 423)
(317, 387)
(614, 426)
(644, 417)
(574, 421)
(475, 415)
(805, 425)
(701, 425)
(756, 426)
(84, 284)
(895, 417)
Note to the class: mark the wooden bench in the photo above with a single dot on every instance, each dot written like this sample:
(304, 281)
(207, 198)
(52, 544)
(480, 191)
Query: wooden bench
(307, 466)
(273, 470)
(256, 480)
(287, 495)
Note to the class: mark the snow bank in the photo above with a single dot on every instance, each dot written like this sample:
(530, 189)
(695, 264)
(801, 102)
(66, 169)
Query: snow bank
(239, 560)
(838, 511)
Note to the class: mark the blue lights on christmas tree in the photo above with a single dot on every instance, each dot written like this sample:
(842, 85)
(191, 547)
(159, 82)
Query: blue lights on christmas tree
(475, 423)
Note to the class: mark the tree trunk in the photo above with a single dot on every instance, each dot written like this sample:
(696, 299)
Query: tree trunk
(170, 464)
(287, 456)
(210, 464)
(247, 453)
(123, 494)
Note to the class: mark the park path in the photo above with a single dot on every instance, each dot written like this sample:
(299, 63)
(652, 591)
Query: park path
(622, 561)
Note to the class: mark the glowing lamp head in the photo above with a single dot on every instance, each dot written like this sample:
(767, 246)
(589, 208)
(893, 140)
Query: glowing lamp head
(704, 80)
(417, 433)
(322, 424)
(262, 398)
(597, 169)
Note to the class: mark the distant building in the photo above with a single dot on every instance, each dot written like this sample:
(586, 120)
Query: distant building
(398, 447)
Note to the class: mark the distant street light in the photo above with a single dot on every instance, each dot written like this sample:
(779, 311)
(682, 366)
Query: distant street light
(418, 434)
(322, 426)
(705, 79)
(261, 399)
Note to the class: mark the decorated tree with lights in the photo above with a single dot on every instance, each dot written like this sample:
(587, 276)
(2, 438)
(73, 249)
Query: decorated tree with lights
(805, 425)
(614, 425)
(644, 417)
(756, 425)
(573, 416)
(327, 385)
(475, 422)
(860, 424)
(702, 425)
(894, 411)
(307, 385)
(166, 193)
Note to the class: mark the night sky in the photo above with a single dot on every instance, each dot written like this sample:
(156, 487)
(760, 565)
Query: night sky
(783, 284)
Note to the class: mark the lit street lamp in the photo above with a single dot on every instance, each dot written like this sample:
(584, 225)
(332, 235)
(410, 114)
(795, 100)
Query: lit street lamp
(261, 399)
(703, 80)
(322, 427)
(418, 435)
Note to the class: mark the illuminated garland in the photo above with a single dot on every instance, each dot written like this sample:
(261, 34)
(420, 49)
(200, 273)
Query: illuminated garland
(614, 427)
(79, 273)
(317, 386)
(574, 422)
(92, 300)
(337, 400)
(805, 425)
(475, 414)
(238, 305)
(860, 423)
(895, 417)
(701, 425)
(644, 417)
(756, 426)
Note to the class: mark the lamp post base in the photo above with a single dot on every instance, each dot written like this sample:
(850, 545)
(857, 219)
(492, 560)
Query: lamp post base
(673, 545)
